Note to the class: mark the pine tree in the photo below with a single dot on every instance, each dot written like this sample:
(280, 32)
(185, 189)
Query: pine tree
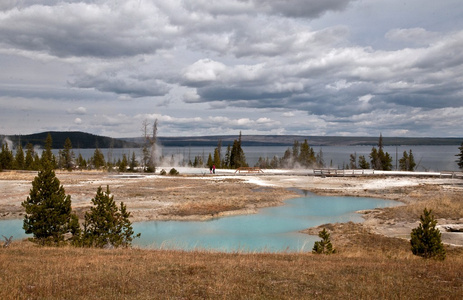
(123, 164)
(216, 159)
(47, 155)
(133, 163)
(98, 159)
(306, 155)
(29, 161)
(324, 246)
(106, 223)
(426, 238)
(411, 163)
(459, 161)
(237, 157)
(363, 164)
(48, 209)
(67, 155)
(403, 162)
(407, 162)
(19, 158)
(379, 159)
(6, 158)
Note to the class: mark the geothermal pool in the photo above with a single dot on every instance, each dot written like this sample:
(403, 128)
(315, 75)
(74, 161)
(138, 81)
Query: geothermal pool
(273, 229)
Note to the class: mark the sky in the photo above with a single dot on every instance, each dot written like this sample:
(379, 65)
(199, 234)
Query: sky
(205, 67)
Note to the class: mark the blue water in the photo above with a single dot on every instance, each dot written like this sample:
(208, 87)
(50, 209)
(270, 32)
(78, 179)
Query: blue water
(427, 157)
(272, 229)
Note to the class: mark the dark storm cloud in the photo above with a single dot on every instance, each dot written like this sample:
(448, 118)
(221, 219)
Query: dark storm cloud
(134, 87)
(297, 66)
(302, 8)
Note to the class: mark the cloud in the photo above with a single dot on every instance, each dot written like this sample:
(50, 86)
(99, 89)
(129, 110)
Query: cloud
(414, 36)
(301, 8)
(321, 67)
(87, 29)
(77, 111)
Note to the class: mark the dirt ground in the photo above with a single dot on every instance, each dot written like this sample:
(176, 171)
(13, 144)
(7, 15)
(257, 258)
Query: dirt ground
(203, 196)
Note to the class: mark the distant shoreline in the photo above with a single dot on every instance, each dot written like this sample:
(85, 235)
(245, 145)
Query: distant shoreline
(85, 140)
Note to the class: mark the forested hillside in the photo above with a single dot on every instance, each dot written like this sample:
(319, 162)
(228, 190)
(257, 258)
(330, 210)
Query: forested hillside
(79, 140)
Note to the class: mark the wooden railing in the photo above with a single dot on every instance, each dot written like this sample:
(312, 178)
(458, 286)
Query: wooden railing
(249, 170)
(370, 172)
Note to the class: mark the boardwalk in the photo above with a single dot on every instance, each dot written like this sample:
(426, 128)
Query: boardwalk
(371, 172)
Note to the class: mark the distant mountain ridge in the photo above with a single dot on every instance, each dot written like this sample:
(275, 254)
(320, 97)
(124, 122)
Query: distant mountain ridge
(79, 140)
(83, 140)
(288, 140)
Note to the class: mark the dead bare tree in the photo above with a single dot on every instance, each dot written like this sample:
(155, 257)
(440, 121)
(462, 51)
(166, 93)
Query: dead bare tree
(7, 241)
(149, 146)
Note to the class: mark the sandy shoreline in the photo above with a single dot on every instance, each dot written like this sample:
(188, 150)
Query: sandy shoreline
(202, 196)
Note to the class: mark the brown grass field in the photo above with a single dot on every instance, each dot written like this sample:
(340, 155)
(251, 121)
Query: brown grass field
(373, 259)
(384, 269)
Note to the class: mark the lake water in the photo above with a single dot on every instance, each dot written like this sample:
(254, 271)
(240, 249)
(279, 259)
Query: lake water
(427, 158)
(272, 229)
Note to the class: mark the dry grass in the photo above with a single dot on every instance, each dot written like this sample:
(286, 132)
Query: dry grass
(443, 205)
(30, 272)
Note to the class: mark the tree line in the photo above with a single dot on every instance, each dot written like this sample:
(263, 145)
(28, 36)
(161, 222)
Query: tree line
(300, 155)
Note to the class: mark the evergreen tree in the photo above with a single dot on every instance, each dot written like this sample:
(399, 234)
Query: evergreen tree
(459, 161)
(123, 164)
(47, 155)
(363, 164)
(19, 161)
(237, 157)
(6, 158)
(403, 162)
(306, 155)
(29, 161)
(227, 162)
(48, 209)
(67, 155)
(374, 159)
(216, 159)
(407, 162)
(386, 160)
(37, 162)
(98, 159)
(426, 238)
(133, 163)
(411, 163)
(287, 161)
(81, 162)
(324, 246)
(210, 162)
(379, 159)
(106, 223)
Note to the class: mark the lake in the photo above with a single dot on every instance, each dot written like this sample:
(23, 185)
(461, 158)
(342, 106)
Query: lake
(273, 229)
(427, 158)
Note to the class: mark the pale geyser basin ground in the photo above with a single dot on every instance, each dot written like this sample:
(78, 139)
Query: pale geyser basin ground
(198, 195)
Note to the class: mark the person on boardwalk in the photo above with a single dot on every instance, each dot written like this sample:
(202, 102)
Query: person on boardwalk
(213, 169)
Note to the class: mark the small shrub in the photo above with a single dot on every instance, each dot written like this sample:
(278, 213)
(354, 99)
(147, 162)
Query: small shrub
(426, 238)
(173, 171)
(324, 246)
(163, 172)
